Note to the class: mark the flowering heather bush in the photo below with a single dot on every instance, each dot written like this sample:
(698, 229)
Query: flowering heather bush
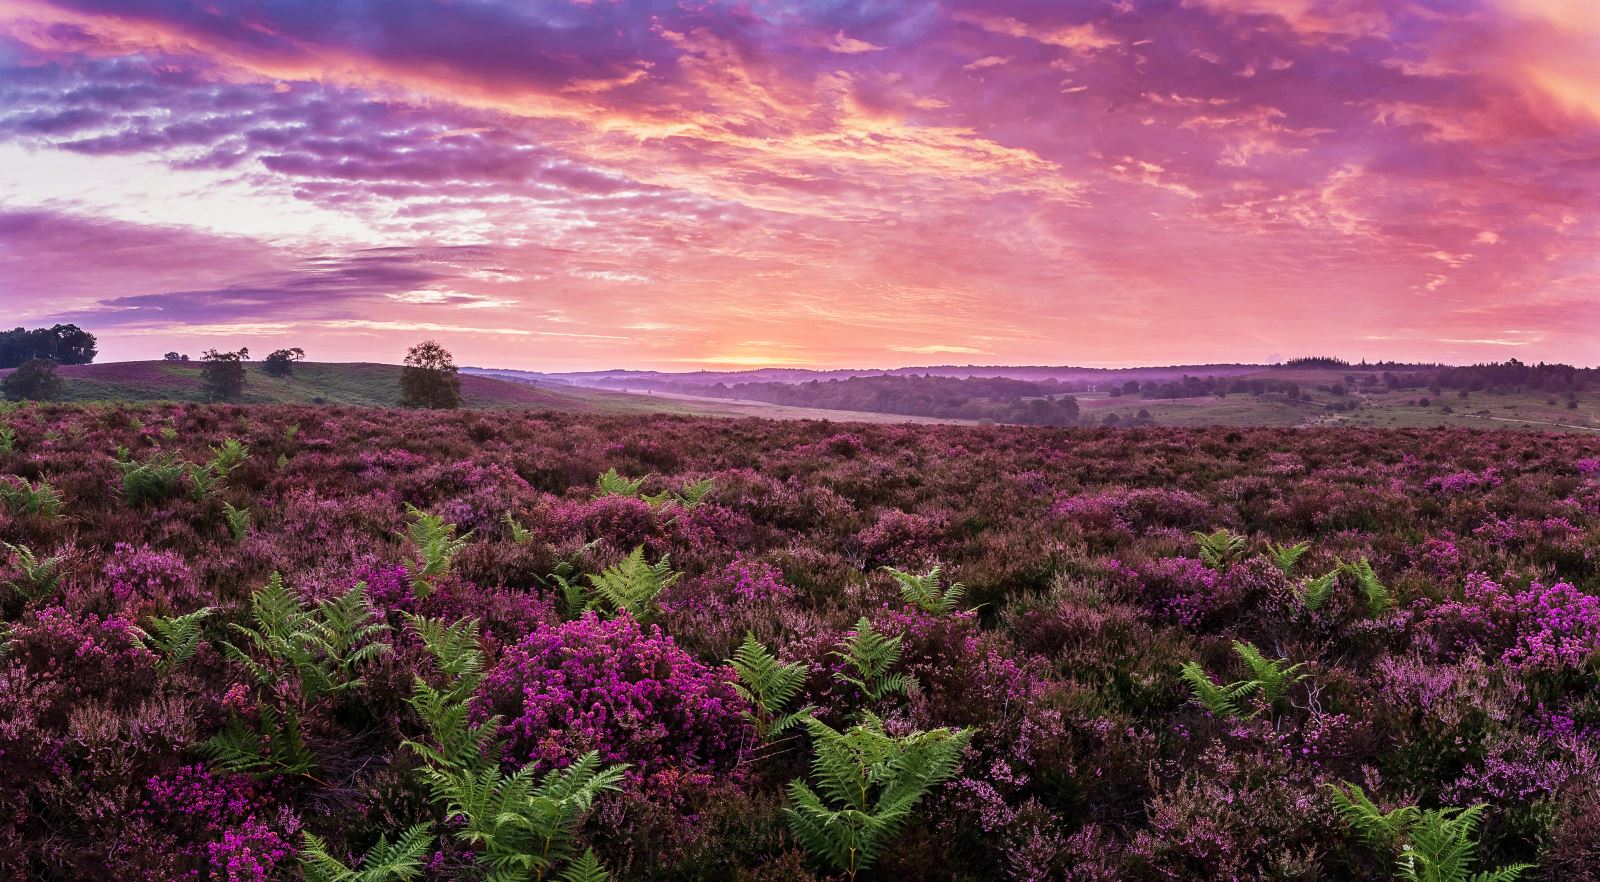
(614, 686)
(1475, 680)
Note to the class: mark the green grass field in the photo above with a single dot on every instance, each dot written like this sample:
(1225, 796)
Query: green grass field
(361, 385)
(1379, 408)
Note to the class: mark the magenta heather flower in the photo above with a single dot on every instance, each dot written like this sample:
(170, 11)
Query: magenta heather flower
(143, 576)
(1465, 482)
(253, 851)
(616, 687)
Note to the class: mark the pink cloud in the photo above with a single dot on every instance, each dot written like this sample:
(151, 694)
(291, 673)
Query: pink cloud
(1211, 180)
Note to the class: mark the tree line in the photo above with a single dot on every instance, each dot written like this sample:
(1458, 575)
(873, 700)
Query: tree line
(62, 344)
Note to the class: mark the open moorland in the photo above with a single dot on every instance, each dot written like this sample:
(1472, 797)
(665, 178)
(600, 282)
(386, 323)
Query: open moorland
(280, 642)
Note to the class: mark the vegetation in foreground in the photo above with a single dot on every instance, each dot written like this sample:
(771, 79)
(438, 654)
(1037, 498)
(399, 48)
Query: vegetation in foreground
(333, 644)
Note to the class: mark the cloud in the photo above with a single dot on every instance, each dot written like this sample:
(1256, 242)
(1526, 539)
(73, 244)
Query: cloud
(826, 177)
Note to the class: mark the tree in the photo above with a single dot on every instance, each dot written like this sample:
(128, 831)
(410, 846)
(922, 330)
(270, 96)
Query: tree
(429, 378)
(36, 380)
(224, 373)
(65, 344)
(74, 345)
(281, 363)
(175, 356)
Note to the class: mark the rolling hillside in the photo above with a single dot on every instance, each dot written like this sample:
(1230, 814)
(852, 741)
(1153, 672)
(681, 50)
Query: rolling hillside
(357, 384)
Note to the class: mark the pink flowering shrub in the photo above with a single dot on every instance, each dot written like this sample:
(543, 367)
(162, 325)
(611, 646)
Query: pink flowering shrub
(617, 687)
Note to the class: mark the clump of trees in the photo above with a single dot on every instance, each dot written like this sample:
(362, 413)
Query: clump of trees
(281, 362)
(223, 373)
(35, 380)
(429, 378)
(63, 344)
(175, 356)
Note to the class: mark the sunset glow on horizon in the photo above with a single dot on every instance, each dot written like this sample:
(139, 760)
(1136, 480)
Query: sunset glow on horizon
(592, 184)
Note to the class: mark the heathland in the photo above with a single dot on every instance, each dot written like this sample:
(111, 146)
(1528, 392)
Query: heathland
(284, 642)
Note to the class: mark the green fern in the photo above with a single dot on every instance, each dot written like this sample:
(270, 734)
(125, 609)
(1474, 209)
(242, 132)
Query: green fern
(238, 521)
(1434, 845)
(314, 652)
(202, 481)
(1219, 549)
(522, 825)
(585, 869)
(437, 546)
(924, 592)
(1220, 700)
(1269, 678)
(8, 440)
(867, 785)
(40, 576)
(1284, 557)
(613, 484)
(227, 457)
(689, 498)
(520, 535)
(1272, 677)
(22, 498)
(398, 861)
(319, 647)
(693, 495)
(870, 656)
(176, 639)
(1379, 599)
(1313, 593)
(769, 686)
(632, 585)
(154, 480)
(278, 749)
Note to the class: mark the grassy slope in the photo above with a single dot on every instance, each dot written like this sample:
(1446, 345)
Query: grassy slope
(367, 385)
(378, 385)
(1398, 409)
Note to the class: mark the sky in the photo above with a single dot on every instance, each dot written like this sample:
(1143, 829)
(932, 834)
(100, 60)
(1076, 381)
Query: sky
(588, 184)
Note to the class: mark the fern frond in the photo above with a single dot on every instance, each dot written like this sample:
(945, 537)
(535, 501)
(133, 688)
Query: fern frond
(613, 484)
(1379, 599)
(41, 576)
(398, 861)
(869, 783)
(585, 869)
(1313, 594)
(177, 638)
(1220, 700)
(1219, 549)
(924, 591)
(871, 655)
(238, 521)
(1381, 830)
(768, 685)
(1284, 557)
(436, 544)
(520, 535)
(632, 586)
(1271, 676)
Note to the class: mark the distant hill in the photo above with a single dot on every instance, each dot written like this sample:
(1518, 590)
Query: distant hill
(630, 379)
(357, 384)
